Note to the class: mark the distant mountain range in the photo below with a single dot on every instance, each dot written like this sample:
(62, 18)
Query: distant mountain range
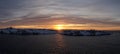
(14, 31)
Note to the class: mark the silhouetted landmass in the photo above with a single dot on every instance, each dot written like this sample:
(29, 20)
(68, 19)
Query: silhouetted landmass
(14, 31)
(85, 33)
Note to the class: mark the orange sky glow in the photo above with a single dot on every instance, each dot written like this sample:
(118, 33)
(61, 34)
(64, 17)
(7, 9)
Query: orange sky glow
(68, 26)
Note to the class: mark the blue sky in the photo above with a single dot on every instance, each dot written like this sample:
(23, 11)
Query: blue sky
(42, 12)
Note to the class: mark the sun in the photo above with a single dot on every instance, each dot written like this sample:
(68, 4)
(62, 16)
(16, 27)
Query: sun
(59, 27)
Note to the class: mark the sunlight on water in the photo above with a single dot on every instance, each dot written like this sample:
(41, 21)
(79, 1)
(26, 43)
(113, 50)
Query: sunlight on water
(60, 41)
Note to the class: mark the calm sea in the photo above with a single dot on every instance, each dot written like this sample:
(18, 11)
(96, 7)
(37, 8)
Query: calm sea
(59, 44)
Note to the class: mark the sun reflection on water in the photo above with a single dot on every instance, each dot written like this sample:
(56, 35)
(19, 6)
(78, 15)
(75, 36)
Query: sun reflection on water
(60, 41)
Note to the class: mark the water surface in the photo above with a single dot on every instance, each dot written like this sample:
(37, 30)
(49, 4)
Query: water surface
(59, 44)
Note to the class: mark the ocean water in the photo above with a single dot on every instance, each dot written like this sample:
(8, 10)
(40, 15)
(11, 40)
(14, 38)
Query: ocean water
(59, 44)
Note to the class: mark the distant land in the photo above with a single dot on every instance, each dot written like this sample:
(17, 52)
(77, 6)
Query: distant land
(15, 31)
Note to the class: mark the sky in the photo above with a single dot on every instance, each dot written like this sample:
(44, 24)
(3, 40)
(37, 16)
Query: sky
(71, 14)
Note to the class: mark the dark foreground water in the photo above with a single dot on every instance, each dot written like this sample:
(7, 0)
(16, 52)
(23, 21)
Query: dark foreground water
(59, 44)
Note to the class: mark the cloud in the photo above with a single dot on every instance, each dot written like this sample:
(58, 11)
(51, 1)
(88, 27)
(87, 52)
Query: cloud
(9, 20)
(39, 12)
(17, 8)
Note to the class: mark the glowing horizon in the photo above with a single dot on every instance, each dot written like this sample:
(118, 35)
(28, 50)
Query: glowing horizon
(68, 26)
